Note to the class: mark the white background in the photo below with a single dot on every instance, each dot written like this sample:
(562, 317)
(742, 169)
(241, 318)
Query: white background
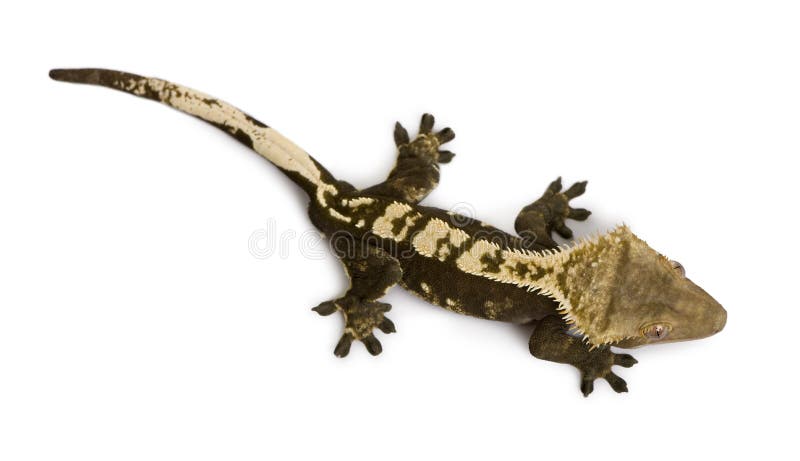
(136, 324)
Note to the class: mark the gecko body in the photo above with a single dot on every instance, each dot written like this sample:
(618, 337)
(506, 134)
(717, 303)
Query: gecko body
(607, 290)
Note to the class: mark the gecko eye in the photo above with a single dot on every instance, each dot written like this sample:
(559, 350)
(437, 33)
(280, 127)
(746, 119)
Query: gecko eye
(678, 267)
(656, 331)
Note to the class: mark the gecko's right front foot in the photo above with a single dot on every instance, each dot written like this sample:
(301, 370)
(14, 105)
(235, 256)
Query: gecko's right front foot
(361, 317)
(597, 364)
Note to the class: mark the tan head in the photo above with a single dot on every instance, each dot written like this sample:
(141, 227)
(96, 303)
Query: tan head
(617, 290)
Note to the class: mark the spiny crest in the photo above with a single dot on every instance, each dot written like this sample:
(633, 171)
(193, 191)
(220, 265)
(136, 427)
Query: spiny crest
(573, 270)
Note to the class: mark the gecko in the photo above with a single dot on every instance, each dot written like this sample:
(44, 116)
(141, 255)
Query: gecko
(579, 299)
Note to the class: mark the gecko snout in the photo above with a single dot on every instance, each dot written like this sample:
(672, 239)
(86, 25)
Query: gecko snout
(721, 319)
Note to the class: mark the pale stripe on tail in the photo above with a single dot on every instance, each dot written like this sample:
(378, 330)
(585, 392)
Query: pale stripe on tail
(267, 142)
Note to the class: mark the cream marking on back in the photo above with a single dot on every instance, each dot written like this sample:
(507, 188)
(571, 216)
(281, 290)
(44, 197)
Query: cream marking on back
(426, 242)
(266, 141)
(384, 225)
(542, 269)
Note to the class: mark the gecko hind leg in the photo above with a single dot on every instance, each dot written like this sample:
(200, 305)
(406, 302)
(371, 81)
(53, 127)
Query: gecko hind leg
(550, 341)
(372, 272)
(416, 172)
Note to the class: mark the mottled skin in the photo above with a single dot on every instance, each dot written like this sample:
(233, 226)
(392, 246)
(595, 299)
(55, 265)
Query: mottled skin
(611, 289)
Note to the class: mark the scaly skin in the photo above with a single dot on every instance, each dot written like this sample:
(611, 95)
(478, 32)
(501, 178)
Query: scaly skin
(609, 290)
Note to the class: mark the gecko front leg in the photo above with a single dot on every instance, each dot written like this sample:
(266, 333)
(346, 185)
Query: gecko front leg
(550, 341)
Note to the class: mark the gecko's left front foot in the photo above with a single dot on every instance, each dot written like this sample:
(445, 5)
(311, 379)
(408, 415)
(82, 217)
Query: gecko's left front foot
(361, 317)
(550, 342)
(538, 220)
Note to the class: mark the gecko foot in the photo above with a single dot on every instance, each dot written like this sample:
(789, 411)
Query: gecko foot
(550, 341)
(597, 364)
(360, 318)
(427, 143)
(537, 220)
(558, 203)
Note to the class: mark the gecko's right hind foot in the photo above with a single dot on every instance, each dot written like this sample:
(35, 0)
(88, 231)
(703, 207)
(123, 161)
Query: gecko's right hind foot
(361, 317)
(550, 341)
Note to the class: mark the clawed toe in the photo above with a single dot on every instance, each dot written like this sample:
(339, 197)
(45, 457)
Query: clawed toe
(578, 214)
(373, 345)
(445, 135)
(587, 386)
(625, 360)
(554, 187)
(343, 346)
(445, 156)
(426, 124)
(387, 326)
(325, 308)
(617, 383)
(576, 189)
(400, 135)
(562, 230)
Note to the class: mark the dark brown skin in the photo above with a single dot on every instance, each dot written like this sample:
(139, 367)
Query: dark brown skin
(616, 289)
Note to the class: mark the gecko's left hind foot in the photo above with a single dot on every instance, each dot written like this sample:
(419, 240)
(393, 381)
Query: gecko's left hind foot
(416, 172)
(361, 317)
(427, 143)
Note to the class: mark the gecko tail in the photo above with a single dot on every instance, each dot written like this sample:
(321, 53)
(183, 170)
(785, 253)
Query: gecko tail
(297, 164)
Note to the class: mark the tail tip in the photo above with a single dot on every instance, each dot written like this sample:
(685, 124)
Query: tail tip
(76, 75)
(57, 74)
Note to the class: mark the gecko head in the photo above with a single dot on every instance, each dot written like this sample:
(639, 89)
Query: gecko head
(630, 295)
